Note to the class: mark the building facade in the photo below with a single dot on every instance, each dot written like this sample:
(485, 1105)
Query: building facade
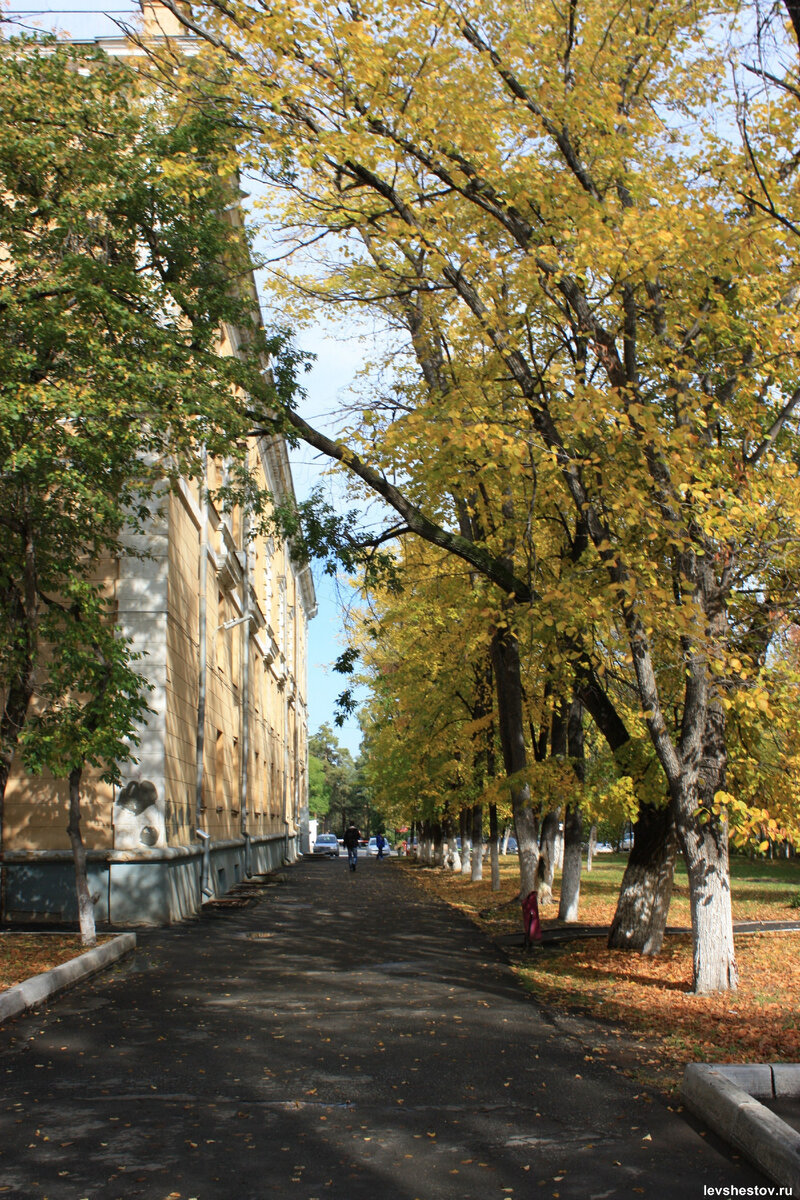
(219, 791)
(219, 613)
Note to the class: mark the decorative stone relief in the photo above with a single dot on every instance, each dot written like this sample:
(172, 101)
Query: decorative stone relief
(139, 816)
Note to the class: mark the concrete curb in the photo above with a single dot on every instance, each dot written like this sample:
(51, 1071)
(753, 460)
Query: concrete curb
(727, 1098)
(39, 988)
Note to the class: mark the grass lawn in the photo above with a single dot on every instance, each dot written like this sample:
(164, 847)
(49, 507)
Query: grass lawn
(648, 999)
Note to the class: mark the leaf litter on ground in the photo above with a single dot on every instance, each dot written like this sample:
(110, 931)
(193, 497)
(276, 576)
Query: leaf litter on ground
(23, 955)
(657, 1024)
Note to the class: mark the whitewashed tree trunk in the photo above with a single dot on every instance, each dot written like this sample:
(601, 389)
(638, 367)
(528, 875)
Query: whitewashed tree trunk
(591, 847)
(438, 846)
(705, 852)
(526, 828)
(703, 839)
(571, 862)
(695, 768)
(450, 856)
(477, 843)
(508, 685)
(547, 858)
(646, 890)
(569, 900)
(466, 842)
(495, 864)
(85, 903)
(495, 857)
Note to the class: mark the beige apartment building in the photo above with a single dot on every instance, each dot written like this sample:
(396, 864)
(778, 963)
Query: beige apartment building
(219, 613)
(219, 789)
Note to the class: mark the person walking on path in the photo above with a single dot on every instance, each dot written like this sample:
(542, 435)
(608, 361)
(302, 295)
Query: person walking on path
(352, 837)
(380, 842)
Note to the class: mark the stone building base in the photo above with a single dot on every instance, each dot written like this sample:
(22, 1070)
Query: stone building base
(151, 887)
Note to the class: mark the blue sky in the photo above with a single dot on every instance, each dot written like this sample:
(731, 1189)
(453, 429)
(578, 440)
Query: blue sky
(337, 359)
(69, 17)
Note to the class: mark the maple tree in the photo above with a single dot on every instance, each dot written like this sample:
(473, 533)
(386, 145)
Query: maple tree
(337, 775)
(345, 794)
(553, 189)
(88, 704)
(430, 723)
(319, 792)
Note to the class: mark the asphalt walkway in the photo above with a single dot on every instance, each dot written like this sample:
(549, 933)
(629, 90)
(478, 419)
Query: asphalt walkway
(344, 1037)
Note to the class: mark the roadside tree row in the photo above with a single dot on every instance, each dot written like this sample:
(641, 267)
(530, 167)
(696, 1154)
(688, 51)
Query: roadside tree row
(585, 237)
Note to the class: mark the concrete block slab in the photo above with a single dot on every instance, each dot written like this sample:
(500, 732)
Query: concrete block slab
(769, 1143)
(786, 1079)
(709, 1095)
(753, 1078)
(712, 1093)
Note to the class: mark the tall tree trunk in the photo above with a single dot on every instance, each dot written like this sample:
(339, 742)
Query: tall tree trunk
(569, 900)
(695, 769)
(549, 835)
(85, 902)
(493, 847)
(452, 858)
(477, 843)
(641, 915)
(425, 844)
(547, 857)
(558, 848)
(466, 847)
(438, 848)
(590, 849)
(508, 683)
(705, 851)
(646, 890)
(793, 9)
(704, 841)
(491, 772)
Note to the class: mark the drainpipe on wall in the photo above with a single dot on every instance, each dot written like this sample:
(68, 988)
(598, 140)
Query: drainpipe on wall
(296, 815)
(286, 857)
(202, 651)
(284, 601)
(244, 718)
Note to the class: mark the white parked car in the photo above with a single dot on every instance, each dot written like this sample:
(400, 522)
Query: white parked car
(372, 847)
(326, 843)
